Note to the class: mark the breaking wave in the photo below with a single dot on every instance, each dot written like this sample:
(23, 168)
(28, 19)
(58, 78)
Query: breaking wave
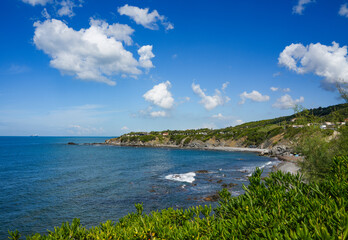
(184, 177)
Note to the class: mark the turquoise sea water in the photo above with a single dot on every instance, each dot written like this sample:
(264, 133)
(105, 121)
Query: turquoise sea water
(44, 181)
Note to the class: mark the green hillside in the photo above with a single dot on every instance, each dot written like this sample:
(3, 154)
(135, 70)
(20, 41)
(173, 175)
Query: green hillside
(252, 134)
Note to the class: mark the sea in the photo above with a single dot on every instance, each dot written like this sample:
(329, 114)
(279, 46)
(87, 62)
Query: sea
(45, 182)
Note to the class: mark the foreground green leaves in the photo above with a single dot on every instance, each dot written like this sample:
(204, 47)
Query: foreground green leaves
(280, 207)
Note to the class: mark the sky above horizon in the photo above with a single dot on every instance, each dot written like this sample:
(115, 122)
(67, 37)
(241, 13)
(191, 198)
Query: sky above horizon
(104, 68)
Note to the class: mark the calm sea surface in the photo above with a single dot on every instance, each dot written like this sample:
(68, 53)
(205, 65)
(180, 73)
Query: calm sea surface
(44, 181)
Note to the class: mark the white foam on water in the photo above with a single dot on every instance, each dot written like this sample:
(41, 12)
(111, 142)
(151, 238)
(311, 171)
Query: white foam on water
(250, 170)
(266, 164)
(184, 177)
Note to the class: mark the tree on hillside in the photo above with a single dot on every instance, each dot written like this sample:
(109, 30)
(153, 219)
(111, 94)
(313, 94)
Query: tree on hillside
(343, 90)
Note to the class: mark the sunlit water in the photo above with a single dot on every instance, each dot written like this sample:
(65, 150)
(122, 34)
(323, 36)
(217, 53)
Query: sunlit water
(44, 181)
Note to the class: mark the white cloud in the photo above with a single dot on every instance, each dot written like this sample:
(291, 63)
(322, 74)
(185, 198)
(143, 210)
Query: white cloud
(143, 17)
(168, 25)
(125, 128)
(158, 114)
(209, 125)
(184, 99)
(239, 122)
(84, 130)
(286, 102)
(120, 32)
(329, 62)
(219, 116)
(343, 10)
(62, 7)
(66, 8)
(45, 14)
(299, 8)
(275, 89)
(160, 95)
(224, 86)
(209, 102)
(145, 53)
(93, 54)
(37, 2)
(254, 96)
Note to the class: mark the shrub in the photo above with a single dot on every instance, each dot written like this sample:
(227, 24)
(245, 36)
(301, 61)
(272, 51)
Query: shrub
(147, 138)
(318, 152)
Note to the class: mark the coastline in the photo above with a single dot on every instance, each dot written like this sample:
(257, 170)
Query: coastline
(211, 148)
(288, 164)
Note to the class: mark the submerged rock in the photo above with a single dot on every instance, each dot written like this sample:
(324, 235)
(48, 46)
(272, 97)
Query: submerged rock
(229, 185)
(202, 171)
(212, 198)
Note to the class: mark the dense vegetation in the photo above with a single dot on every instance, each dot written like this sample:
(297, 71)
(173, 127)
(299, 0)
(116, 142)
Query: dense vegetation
(251, 133)
(281, 206)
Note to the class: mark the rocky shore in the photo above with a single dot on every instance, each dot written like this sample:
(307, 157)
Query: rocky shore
(289, 161)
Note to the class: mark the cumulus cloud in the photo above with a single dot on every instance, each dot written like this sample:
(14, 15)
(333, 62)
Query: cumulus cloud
(125, 128)
(120, 32)
(254, 96)
(143, 17)
(286, 102)
(274, 89)
(209, 102)
(145, 53)
(160, 95)
(329, 62)
(343, 10)
(299, 8)
(93, 54)
(37, 2)
(158, 114)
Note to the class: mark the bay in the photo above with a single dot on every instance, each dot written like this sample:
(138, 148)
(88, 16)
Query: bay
(44, 181)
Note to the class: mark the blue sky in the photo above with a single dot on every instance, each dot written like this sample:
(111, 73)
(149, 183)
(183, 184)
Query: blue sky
(104, 68)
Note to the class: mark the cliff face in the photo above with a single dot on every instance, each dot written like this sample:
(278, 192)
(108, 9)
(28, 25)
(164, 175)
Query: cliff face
(188, 142)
